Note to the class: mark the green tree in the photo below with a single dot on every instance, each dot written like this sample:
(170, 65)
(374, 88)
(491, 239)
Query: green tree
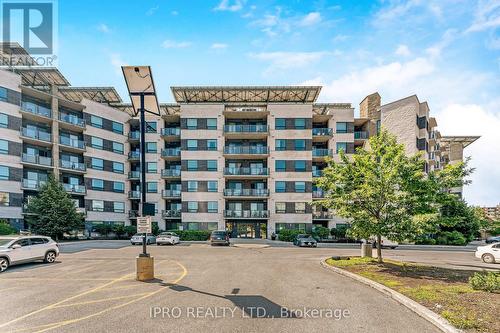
(6, 228)
(53, 213)
(384, 192)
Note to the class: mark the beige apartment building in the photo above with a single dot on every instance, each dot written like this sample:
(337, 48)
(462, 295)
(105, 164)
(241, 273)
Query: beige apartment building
(236, 158)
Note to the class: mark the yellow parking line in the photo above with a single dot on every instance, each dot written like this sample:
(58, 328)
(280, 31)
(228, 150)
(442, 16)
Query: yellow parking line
(56, 279)
(2, 290)
(97, 300)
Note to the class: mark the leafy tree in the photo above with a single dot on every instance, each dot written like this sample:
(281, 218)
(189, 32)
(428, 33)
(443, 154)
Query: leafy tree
(119, 230)
(320, 232)
(6, 228)
(384, 192)
(104, 229)
(340, 231)
(54, 213)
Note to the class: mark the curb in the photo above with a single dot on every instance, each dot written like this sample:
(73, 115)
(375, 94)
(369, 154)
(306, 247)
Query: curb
(435, 319)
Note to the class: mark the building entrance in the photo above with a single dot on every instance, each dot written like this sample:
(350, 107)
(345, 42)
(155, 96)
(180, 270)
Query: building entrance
(245, 229)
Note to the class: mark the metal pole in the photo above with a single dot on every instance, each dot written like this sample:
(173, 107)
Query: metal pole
(143, 171)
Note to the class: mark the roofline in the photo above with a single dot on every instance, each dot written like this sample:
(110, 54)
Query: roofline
(401, 99)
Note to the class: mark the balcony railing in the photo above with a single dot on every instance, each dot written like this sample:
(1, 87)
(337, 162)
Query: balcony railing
(32, 184)
(317, 173)
(134, 175)
(322, 132)
(171, 213)
(36, 109)
(246, 109)
(246, 171)
(72, 119)
(36, 134)
(79, 166)
(360, 135)
(37, 159)
(133, 213)
(246, 128)
(318, 194)
(134, 135)
(174, 131)
(246, 150)
(134, 194)
(134, 155)
(171, 152)
(75, 143)
(321, 152)
(246, 192)
(171, 193)
(75, 188)
(322, 215)
(170, 173)
(256, 214)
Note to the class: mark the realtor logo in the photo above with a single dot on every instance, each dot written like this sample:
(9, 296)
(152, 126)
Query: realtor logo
(29, 23)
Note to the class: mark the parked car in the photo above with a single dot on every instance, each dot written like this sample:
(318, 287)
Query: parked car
(219, 237)
(305, 240)
(167, 238)
(490, 254)
(21, 249)
(137, 239)
(491, 240)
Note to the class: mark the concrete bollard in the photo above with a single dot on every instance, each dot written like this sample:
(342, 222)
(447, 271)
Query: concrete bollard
(366, 250)
(145, 268)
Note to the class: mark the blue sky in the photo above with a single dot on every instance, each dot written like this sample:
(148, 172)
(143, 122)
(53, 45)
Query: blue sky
(445, 51)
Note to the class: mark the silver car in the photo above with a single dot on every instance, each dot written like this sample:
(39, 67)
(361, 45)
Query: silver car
(137, 239)
(22, 249)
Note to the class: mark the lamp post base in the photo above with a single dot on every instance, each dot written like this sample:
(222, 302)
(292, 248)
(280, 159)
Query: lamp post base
(145, 268)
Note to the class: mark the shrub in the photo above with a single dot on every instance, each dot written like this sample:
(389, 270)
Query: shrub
(103, 229)
(485, 281)
(451, 238)
(288, 235)
(339, 231)
(321, 232)
(130, 230)
(6, 228)
(192, 235)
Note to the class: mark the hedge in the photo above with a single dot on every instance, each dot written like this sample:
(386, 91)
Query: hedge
(192, 235)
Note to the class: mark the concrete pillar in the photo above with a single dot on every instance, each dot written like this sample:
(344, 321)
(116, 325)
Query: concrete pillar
(145, 268)
(366, 250)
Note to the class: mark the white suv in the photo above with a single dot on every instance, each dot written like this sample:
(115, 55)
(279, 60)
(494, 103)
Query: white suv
(22, 249)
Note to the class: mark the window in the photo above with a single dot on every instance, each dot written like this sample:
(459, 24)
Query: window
(117, 127)
(212, 165)
(378, 126)
(280, 144)
(300, 166)
(119, 207)
(96, 142)
(151, 147)
(211, 226)
(212, 207)
(212, 186)
(192, 123)
(3, 94)
(151, 127)
(300, 123)
(119, 187)
(300, 207)
(300, 187)
(280, 186)
(192, 165)
(97, 163)
(4, 172)
(193, 226)
(300, 144)
(4, 120)
(341, 127)
(280, 207)
(192, 186)
(192, 144)
(212, 144)
(341, 146)
(97, 184)
(212, 123)
(117, 167)
(4, 147)
(280, 166)
(151, 167)
(118, 147)
(98, 205)
(152, 187)
(192, 206)
(38, 241)
(280, 123)
(95, 121)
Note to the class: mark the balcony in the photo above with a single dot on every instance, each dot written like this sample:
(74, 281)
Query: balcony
(135, 195)
(134, 136)
(246, 151)
(171, 134)
(134, 155)
(245, 112)
(72, 166)
(71, 121)
(32, 184)
(171, 153)
(360, 135)
(170, 173)
(37, 160)
(133, 175)
(246, 214)
(320, 153)
(246, 192)
(322, 215)
(36, 136)
(322, 134)
(74, 145)
(258, 131)
(317, 173)
(318, 194)
(36, 112)
(165, 194)
(246, 172)
(133, 214)
(75, 188)
(171, 214)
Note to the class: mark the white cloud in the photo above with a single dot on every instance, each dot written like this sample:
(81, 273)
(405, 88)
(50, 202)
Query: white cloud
(232, 6)
(117, 62)
(403, 50)
(448, 37)
(218, 46)
(287, 60)
(310, 19)
(103, 28)
(340, 38)
(174, 13)
(152, 10)
(171, 44)
(276, 24)
(396, 9)
(487, 16)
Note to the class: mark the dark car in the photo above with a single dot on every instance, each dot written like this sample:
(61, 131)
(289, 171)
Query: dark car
(219, 237)
(305, 240)
(492, 240)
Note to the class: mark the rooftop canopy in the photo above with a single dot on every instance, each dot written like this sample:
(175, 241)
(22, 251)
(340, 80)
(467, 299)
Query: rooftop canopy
(97, 94)
(464, 140)
(299, 94)
(40, 76)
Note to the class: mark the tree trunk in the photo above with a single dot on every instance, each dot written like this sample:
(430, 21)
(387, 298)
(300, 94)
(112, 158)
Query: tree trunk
(379, 249)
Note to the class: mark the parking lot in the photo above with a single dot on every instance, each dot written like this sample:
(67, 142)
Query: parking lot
(91, 287)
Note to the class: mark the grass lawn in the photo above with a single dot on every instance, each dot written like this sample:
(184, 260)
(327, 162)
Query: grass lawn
(444, 291)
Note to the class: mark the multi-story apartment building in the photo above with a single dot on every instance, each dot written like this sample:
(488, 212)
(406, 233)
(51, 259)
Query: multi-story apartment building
(236, 158)
(492, 213)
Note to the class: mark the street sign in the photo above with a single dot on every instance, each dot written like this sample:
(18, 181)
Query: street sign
(144, 225)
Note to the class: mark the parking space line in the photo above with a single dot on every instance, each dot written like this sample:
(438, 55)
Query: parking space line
(97, 301)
